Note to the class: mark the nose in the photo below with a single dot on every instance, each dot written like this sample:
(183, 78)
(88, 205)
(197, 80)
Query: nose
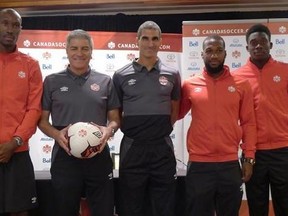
(79, 52)
(259, 45)
(151, 43)
(214, 55)
(9, 27)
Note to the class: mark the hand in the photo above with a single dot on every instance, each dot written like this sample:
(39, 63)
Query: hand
(106, 135)
(7, 150)
(62, 139)
(247, 170)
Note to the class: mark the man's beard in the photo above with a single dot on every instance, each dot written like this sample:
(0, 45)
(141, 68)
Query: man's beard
(214, 70)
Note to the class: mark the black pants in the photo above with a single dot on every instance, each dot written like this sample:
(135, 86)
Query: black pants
(73, 178)
(147, 177)
(213, 188)
(270, 171)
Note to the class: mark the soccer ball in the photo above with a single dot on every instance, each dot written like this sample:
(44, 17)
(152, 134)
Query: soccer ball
(84, 139)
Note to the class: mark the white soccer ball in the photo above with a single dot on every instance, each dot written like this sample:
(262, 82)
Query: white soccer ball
(84, 139)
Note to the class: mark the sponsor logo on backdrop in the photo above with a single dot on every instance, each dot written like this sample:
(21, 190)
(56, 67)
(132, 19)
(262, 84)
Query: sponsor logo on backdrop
(111, 45)
(26, 43)
(46, 160)
(110, 66)
(165, 47)
(224, 31)
(195, 32)
(280, 53)
(47, 66)
(46, 138)
(50, 44)
(282, 29)
(236, 43)
(193, 67)
(280, 41)
(127, 46)
(171, 58)
(110, 56)
(236, 65)
(193, 43)
(131, 56)
(193, 55)
(236, 54)
(47, 149)
(46, 55)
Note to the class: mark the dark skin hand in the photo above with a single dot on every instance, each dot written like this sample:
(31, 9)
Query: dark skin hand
(247, 170)
(7, 150)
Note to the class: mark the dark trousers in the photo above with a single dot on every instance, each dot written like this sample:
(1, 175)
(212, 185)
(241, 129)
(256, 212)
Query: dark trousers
(213, 188)
(270, 171)
(73, 178)
(147, 178)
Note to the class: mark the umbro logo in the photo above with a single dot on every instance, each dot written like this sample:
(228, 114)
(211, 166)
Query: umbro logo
(131, 82)
(64, 89)
(33, 199)
(110, 176)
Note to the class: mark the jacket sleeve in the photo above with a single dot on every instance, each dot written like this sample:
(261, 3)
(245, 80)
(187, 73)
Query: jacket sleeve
(185, 103)
(33, 103)
(248, 122)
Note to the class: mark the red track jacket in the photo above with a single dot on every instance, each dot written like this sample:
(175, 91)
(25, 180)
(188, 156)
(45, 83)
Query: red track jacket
(20, 97)
(270, 89)
(222, 115)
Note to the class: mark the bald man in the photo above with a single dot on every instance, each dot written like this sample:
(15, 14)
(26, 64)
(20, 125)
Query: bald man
(20, 97)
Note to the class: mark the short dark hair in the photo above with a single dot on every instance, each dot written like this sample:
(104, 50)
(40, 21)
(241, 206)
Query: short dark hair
(148, 25)
(258, 28)
(215, 37)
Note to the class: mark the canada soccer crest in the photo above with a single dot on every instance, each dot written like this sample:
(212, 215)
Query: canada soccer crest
(163, 80)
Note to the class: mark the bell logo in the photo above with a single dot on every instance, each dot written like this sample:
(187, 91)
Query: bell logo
(193, 43)
(236, 65)
(46, 66)
(280, 41)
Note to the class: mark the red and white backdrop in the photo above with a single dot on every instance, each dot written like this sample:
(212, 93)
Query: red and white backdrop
(113, 50)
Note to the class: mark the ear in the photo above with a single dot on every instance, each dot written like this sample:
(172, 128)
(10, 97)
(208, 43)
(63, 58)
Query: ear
(247, 48)
(271, 45)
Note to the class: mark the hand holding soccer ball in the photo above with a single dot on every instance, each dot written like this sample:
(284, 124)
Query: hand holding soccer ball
(84, 139)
